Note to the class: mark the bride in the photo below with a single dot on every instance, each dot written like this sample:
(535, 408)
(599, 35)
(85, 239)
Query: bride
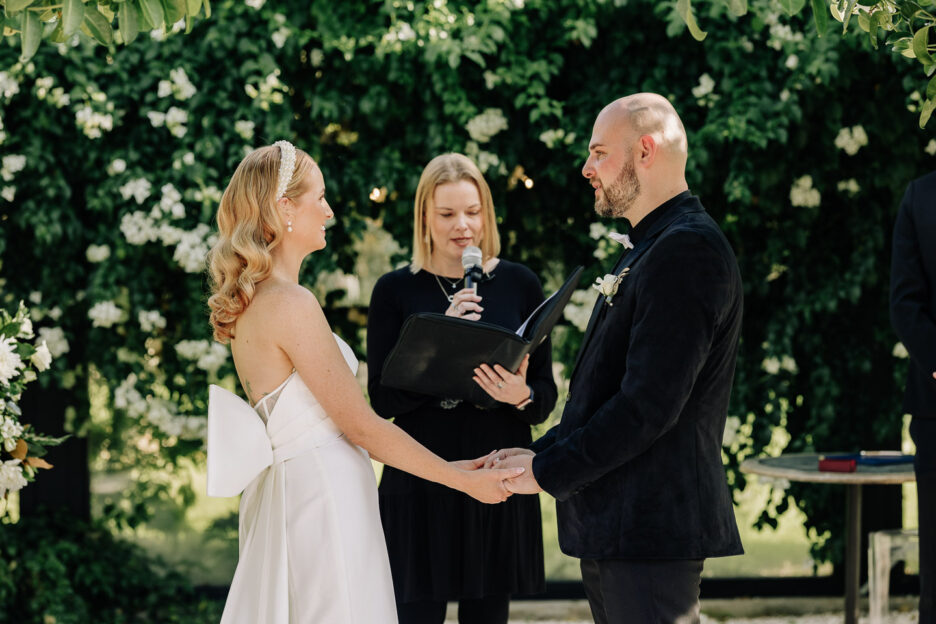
(311, 545)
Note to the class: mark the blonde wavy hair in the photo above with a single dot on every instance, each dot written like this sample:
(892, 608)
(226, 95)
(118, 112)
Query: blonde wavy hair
(443, 169)
(249, 227)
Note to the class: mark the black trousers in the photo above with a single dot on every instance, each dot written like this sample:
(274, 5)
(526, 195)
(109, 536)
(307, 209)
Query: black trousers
(622, 591)
(923, 432)
(486, 610)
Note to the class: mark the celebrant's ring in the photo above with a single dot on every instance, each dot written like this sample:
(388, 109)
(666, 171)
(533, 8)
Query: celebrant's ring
(500, 385)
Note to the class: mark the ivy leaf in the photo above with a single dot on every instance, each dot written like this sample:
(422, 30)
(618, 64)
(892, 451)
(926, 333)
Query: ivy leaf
(153, 11)
(684, 8)
(128, 20)
(792, 7)
(12, 6)
(820, 11)
(72, 15)
(97, 26)
(931, 89)
(32, 34)
(920, 39)
(927, 110)
(738, 7)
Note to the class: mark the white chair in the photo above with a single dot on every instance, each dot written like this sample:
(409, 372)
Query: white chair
(886, 548)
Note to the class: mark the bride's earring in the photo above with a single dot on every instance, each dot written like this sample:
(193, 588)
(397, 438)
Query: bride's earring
(289, 226)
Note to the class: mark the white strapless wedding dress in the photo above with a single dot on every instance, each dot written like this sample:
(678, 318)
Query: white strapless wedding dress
(312, 549)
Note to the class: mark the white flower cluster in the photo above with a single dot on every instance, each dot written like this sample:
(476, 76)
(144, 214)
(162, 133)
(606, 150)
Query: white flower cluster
(192, 249)
(485, 160)
(93, 123)
(10, 432)
(10, 362)
(484, 126)
(150, 320)
(97, 253)
(160, 413)
(105, 314)
(128, 398)
(849, 186)
(2, 133)
(11, 477)
(706, 85)
(280, 35)
(732, 428)
(931, 147)
(8, 86)
(138, 188)
(774, 365)
(556, 136)
(12, 164)
(268, 91)
(254, 4)
(780, 33)
(208, 356)
(54, 338)
(579, 309)
(211, 194)
(174, 119)
(398, 33)
(244, 129)
(803, 194)
(117, 166)
(851, 139)
(42, 358)
(55, 95)
(178, 85)
(900, 351)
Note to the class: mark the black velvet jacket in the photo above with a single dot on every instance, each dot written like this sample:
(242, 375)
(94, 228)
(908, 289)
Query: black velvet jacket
(635, 463)
(913, 292)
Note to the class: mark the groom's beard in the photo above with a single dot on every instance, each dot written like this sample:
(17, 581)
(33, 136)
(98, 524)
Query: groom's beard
(620, 196)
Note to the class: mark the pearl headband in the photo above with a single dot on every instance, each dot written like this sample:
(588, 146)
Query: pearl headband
(287, 166)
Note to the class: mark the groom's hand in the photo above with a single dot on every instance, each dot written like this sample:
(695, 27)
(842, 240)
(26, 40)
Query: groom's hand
(524, 483)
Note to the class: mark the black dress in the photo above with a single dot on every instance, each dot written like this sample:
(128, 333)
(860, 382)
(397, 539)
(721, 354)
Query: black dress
(443, 544)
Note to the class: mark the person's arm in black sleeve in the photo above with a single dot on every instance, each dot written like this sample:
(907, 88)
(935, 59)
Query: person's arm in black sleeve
(681, 298)
(384, 322)
(539, 373)
(911, 316)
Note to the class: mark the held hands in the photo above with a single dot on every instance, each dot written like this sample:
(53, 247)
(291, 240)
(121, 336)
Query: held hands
(503, 385)
(465, 305)
(525, 483)
(487, 485)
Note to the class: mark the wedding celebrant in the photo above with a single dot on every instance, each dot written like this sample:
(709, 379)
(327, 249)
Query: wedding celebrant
(635, 462)
(443, 545)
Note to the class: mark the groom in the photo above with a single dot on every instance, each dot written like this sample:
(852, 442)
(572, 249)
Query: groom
(635, 463)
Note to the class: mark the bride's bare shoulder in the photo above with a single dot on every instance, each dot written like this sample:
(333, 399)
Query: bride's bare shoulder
(281, 301)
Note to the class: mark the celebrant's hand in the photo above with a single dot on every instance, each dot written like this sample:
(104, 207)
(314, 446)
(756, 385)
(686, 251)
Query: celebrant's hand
(465, 304)
(503, 385)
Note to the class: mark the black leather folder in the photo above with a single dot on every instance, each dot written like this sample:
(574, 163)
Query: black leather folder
(437, 354)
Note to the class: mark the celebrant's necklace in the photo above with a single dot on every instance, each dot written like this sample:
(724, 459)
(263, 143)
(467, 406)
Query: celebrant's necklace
(442, 288)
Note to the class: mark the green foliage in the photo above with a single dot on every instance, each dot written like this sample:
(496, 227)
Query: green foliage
(58, 21)
(905, 25)
(64, 571)
(792, 149)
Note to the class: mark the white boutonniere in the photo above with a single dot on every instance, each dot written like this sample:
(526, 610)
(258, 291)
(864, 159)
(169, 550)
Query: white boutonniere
(608, 285)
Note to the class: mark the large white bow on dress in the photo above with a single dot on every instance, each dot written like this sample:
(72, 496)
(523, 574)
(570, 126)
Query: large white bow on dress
(238, 445)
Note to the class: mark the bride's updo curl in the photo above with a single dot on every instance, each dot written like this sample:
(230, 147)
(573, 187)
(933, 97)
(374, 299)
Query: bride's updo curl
(249, 227)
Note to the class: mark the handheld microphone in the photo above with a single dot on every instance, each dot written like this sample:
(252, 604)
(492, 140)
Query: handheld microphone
(471, 261)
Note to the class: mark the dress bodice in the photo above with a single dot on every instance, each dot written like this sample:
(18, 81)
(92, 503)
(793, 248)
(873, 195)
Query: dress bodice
(243, 441)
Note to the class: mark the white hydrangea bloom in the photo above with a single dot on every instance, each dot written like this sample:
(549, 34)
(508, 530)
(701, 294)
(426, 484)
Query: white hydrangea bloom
(254, 4)
(8, 85)
(213, 359)
(10, 361)
(105, 314)
(8, 193)
(11, 477)
(156, 118)
(849, 186)
(788, 364)
(169, 234)
(54, 338)
(10, 431)
(900, 351)
(150, 320)
(792, 62)
(194, 428)
(706, 85)
(138, 228)
(279, 36)
(138, 188)
(579, 309)
(188, 159)
(13, 163)
(164, 89)
(771, 365)
(192, 349)
(93, 123)
(176, 118)
(484, 126)
(851, 139)
(117, 166)
(26, 328)
(97, 253)
(244, 129)
(192, 250)
(732, 427)
(42, 358)
(931, 147)
(181, 87)
(127, 397)
(597, 230)
(803, 194)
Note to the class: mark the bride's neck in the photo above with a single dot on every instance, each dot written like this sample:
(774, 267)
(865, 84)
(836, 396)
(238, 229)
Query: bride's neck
(286, 265)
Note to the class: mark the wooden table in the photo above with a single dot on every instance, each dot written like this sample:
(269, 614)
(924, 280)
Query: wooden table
(805, 467)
